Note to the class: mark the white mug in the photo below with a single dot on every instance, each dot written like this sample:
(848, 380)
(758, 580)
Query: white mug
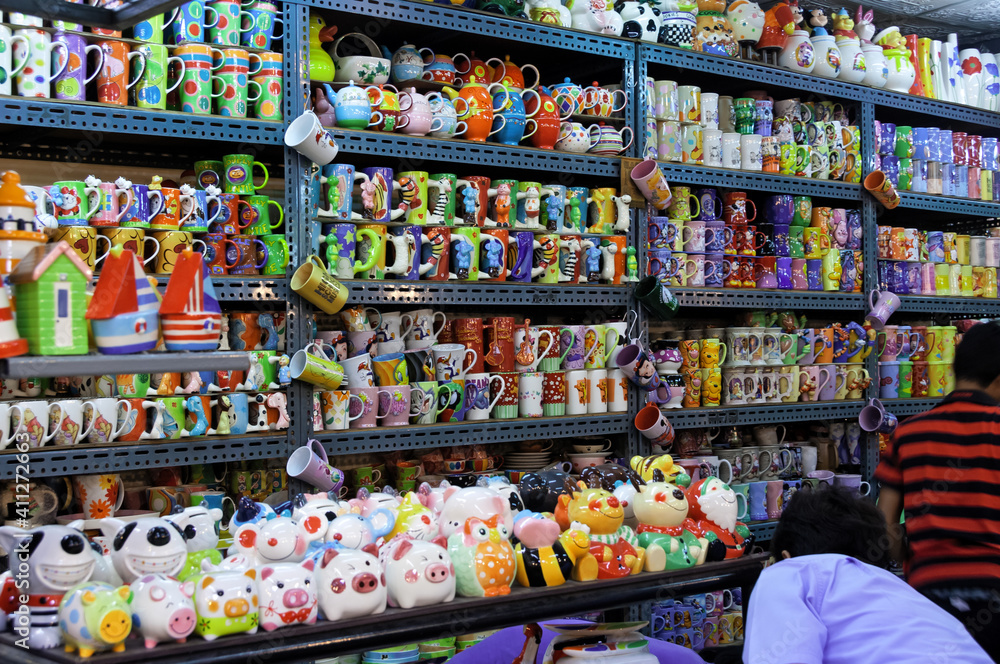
(336, 411)
(391, 327)
(693, 142)
(32, 418)
(577, 391)
(480, 407)
(7, 44)
(711, 142)
(6, 431)
(731, 155)
(101, 417)
(450, 361)
(358, 371)
(95, 493)
(617, 391)
(689, 99)
(598, 401)
(420, 330)
(618, 330)
(751, 158)
(532, 344)
(35, 54)
(529, 394)
(709, 110)
(809, 459)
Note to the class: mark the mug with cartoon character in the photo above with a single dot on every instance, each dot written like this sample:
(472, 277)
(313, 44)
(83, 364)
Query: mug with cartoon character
(638, 365)
(712, 353)
(31, 418)
(71, 429)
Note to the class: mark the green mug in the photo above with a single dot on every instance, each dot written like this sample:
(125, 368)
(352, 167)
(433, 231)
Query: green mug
(314, 368)
(259, 215)
(133, 385)
(441, 188)
(803, 211)
(237, 174)
(795, 247)
(787, 163)
(268, 373)
(277, 254)
(173, 416)
(364, 476)
(75, 205)
(464, 262)
(208, 173)
(268, 104)
(904, 142)
(151, 91)
(905, 379)
(905, 174)
(232, 95)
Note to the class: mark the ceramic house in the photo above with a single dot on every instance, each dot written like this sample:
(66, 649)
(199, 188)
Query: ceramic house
(124, 310)
(190, 311)
(50, 285)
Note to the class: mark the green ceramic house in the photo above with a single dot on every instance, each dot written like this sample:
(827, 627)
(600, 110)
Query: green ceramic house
(50, 289)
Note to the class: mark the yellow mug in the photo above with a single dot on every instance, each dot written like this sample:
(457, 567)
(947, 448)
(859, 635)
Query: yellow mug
(171, 244)
(390, 370)
(315, 369)
(83, 240)
(942, 378)
(314, 283)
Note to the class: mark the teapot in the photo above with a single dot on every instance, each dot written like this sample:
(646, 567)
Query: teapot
(406, 63)
(477, 70)
(417, 109)
(321, 66)
(573, 137)
(445, 111)
(440, 68)
(478, 115)
(512, 76)
(368, 69)
(352, 106)
(572, 101)
(514, 116)
(601, 101)
(388, 107)
(545, 115)
(608, 140)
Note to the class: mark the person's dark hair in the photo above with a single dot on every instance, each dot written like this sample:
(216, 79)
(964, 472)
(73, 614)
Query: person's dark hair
(832, 520)
(976, 357)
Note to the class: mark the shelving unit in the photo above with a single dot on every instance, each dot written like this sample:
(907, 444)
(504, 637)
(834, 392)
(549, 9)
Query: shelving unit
(28, 366)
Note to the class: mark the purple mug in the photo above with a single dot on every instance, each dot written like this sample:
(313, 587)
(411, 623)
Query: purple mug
(716, 270)
(887, 139)
(848, 271)
(717, 236)
(783, 272)
(874, 417)
(519, 255)
(888, 380)
(405, 245)
(834, 382)
(899, 277)
(781, 247)
(914, 280)
(310, 464)
(881, 310)
(780, 209)
(890, 166)
(72, 82)
(661, 233)
(814, 273)
(885, 279)
(639, 367)
(854, 229)
(799, 279)
(662, 264)
(947, 183)
(710, 204)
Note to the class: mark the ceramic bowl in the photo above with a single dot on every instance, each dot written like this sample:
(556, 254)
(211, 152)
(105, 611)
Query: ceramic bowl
(592, 449)
(581, 461)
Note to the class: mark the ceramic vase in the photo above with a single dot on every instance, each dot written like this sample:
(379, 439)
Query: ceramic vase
(876, 68)
(972, 72)
(955, 71)
(991, 82)
(827, 56)
(798, 54)
(901, 72)
(939, 71)
(852, 60)
(917, 87)
(924, 66)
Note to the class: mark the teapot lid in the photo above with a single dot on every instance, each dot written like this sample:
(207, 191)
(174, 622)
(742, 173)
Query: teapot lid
(11, 191)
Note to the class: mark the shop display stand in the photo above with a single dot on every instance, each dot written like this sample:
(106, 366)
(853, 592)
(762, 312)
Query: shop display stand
(60, 131)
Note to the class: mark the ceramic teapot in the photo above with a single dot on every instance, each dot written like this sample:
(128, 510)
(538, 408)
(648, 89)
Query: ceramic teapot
(367, 69)
(574, 137)
(480, 101)
(388, 107)
(546, 118)
(513, 114)
(601, 101)
(440, 68)
(445, 111)
(416, 108)
(608, 140)
(352, 106)
(512, 76)
(569, 97)
(475, 69)
(406, 63)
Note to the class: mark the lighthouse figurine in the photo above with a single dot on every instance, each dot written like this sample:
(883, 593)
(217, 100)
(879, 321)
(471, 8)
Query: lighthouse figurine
(190, 312)
(124, 310)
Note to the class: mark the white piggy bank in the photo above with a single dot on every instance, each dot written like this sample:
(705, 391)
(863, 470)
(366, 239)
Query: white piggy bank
(226, 603)
(351, 584)
(162, 609)
(279, 540)
(417, 573)
(287, 594)
(476, 501)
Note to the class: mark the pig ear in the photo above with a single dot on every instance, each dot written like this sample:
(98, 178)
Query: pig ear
(266, 572)
(207, 581)
(252, 573)
(401, 550)
(371, 549)
(313, 526)
(441, 542)
(309, 564)
(328, 555)
(246, 537)
(88, 598)
(215, 513)
(381, 522)
(188, 588)
(157, 594)
(124, 592)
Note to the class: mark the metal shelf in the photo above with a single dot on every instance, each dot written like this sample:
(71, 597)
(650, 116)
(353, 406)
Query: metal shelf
(966, 206)
(750, 297)
(86, 459)
(117, 16)
(29, 366)
(92, 116)
(933, 304)
(764, 413)
(485, 24)
(375, 143)
(750, 71)
(401, 626)
(764, 530)
(938, 109)
(242, 289)
(758, 180)
(485, 293)
(904, 407)
(389, 439)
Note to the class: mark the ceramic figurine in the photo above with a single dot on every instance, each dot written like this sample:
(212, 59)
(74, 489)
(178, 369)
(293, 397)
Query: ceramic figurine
(594, 16)
(818, 21)
(124, 311)
(901, 71)
(417, 573)
(145, 546)
(483, 557)
(664, 463)
(95, 617)
(224, 332)
(665, 530)
(222, 424)
(843, 25)
(198, 523)
(713, 33)
(631, 266)
(320, 63)
(552, 12)
(641, 20)
(747, 21)
(226, 603)
(864, 24)
(564, 557)
(540, 490)
(196, 411)
(461, 504)
(49, 548)
(247, 511)
(713, 506)
(50, 285)
(779, 24)
(353, 531)
(601, 512)
(277, 540)
(162, 609)
(194, 383)
(351, 584)
(679, 22)
(368, 501)
(104, 568)
(415, 519)
(278, 401)
(287, 595)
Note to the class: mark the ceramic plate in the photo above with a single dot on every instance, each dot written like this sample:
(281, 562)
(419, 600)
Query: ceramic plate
(596, 628)
(95, 524)
(606, 649)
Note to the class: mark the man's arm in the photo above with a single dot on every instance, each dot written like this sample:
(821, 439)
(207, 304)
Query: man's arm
(890, 503)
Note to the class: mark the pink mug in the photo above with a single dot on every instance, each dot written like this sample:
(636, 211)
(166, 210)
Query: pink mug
(394, 402)
(927, 277)
(310, 464)
(881, 310)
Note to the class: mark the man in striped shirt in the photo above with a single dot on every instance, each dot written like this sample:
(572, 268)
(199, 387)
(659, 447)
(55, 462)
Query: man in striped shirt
(943, 469)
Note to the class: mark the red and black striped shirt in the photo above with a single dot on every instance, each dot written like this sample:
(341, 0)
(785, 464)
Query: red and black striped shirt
(946, 464)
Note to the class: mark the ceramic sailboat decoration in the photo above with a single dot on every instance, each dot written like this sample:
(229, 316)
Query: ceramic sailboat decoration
(125, 307)
(190, 312)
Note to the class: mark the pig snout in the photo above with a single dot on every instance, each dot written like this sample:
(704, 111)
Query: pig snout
(236, 608)
(181, 623)
(436, 573)
(293, 599)
(365, 583)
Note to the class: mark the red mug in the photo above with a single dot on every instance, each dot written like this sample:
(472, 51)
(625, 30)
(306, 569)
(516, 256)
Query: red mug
(135, 420)
(477, 217)
(506, 407)
(500, 343)
(469, 333)
(746, 272)
(215, 252)
(731, 272)
(113, 81)
(739, 234)
(736, 208)
(752, 241)
(228, 220)
(246, 256)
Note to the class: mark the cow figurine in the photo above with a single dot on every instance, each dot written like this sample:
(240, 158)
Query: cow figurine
(162, 609)
(288, 595)
(351, 584)
(150, 545)
(418, 573)
(226, 603)
(94, 617)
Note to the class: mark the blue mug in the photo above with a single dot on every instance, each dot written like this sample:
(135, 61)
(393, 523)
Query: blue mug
(781, 247)
(710, 205)
(339, 180)
(849, 271)
(509, 121)
(715, 270)
(890, 166)
(887, 139)
(814, 274)
(554, 209)
(143, 209)
(662, 233)
(662, 265)
(783, 272)
(520, 248)
(945, 147)
(854, 229)
(190, 25)
(257, 29)
(239, 412)
(779, 209)
(758, 501)
(947, 179)
(202, 218)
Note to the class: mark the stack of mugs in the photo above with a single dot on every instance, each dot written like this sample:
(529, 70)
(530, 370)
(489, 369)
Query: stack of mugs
(798, 247)
(195, 75)
(419, 367)
(916, 262)
(700, 621)
(930, 160)
(439, 226)
(751, 133)
(915, 361)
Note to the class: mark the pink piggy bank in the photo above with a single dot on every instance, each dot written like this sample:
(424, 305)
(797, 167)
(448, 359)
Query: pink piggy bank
(351, 584)
(287, 595)
(162, 609)
(417, 573)
(476, 501)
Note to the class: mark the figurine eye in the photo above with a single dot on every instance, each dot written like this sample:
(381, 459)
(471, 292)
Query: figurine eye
(280, 586)
(678, 494)
(220, 593)
(307, 581)
(249, 590)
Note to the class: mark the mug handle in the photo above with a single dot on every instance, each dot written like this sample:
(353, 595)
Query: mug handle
(142, 69)
(360, 412)
(100, 56)
(63, 61)
(503, 386)
(503, 123)
(475, 356)
(180, 76)
(318, 449)
(262, 248)
(266, 175)
(540, 354)
(58, 425)
(611, 347)
(128, 411)
(379, 417)
(158, 195)
(741, 514)
(105, 254)
(254, 97)
(281, 213)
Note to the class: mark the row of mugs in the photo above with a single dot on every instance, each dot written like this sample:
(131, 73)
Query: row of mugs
(108, 419)
(439, 253)
(932, 177)
(909, 278)
(916, 379)
(935, 343)
(910, 244)
(448, 200)
(935, 144)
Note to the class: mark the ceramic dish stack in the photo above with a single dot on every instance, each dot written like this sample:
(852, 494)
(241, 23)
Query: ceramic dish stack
(600, 643)
(527, 460)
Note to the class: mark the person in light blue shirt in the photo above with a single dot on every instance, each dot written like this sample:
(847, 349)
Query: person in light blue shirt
(830, 600)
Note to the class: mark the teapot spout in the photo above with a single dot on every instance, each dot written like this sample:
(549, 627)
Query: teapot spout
(385, 52)
(451, 92)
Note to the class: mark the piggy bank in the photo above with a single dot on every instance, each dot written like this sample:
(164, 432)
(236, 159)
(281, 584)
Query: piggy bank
(287, 595)
(417, 573)
(665, 531)
(226, 603)
(414, 519)
(62, 548)
(150, 545)
(95, 616)
(320, 504)
(367, 501)
(509, 491)
(278, 540)
(351, 584)
(199, 525)
(460, 505)
(354, 531)
(162, 609)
